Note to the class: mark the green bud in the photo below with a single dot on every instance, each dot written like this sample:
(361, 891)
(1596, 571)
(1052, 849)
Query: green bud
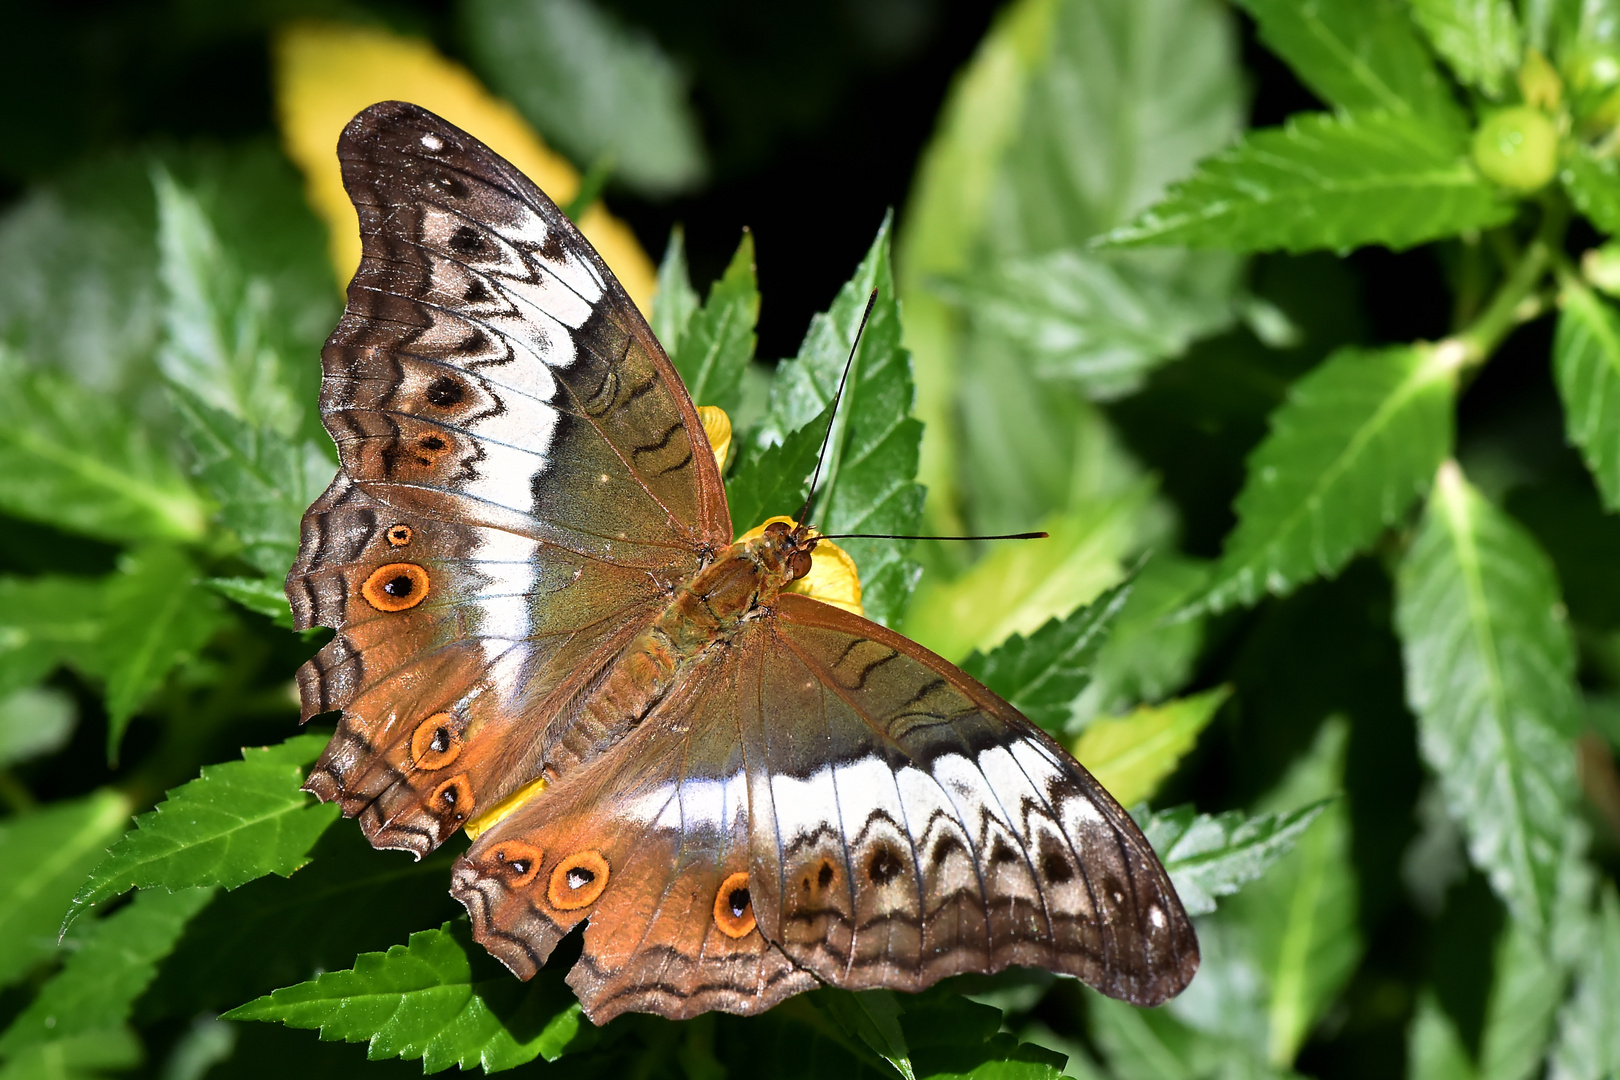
(1517, 148)
(1600, 266)
(1539, 83)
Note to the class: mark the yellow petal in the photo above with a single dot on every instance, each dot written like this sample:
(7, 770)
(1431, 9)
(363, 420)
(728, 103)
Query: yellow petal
(327, 72)
(833, 577)
(486, 820)
(717, 426)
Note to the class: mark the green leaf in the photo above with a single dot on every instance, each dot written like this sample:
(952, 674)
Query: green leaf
(1588, 1046)
(1489, 674)
(1525, 994)
(1042, 674)
(1586, 361)
(1593, 185)
(594, 88)
(1434, 1049)
(1157, 1044)
(34, 722)
(1155, 81)
(440, 998)
(1325, 181)
(237, 821)
(1014, 174)
(717, 342)
(82, 461)
(873, 1016)
(80, 292)
(158, 616)
(217, 342)
(1299, 921)
(1355, 443)
(1147, 658)
(48, 852)
(348, 899)
(1478, 38)
(868, 480)
(1360, 55)
(1132, 755)
(262, 596)
(1212, 855)
(1097, 320)
(675, 301)
(1019, 586)
(117, 1049)
(262, 481)
(950, 1036)
(773, 480)
(116, 960)
(44, 622)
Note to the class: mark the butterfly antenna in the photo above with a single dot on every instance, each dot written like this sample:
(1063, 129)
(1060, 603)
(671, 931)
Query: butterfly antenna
(821, 456)
(897, 536)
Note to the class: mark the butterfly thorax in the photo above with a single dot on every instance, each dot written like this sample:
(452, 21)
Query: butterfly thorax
(738, 585)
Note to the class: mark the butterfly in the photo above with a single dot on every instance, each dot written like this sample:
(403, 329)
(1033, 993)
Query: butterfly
(542, 621)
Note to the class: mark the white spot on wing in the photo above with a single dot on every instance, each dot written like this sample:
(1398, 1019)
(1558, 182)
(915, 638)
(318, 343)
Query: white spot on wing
(504, 473)
(803, 806)
(707, 804)
(530, 233)
(551, 296)
(507, 561)
(865, 788)
(432, 142)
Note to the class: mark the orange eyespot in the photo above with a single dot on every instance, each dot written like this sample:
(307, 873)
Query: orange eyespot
(435, 743)
(453, 798)
(517, 862)
(396, 587)
(578, 880)
(733, 907)
(399, 535)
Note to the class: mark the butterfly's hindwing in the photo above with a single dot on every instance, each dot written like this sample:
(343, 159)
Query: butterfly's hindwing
(673, 929)
(922, 827)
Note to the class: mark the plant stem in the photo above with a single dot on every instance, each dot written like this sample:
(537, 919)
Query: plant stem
(1507, 308)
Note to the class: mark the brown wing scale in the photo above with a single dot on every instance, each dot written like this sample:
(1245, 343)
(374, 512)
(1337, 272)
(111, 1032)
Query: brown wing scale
(516, 465)
(922, 827)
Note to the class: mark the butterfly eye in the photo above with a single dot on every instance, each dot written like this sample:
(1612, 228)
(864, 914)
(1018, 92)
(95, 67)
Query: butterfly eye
(454, 797)
(799, 563)
(434, 743)
(396, 587)
(733, 907)
(578, 880)
(399, 535)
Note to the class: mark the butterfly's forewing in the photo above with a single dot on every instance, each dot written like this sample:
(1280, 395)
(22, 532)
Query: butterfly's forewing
(922, 827)
(662, 826)
(520, 485)
(897, 823)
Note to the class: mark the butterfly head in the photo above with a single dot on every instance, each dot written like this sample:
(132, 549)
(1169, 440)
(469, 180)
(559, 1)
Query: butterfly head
(792, 545)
